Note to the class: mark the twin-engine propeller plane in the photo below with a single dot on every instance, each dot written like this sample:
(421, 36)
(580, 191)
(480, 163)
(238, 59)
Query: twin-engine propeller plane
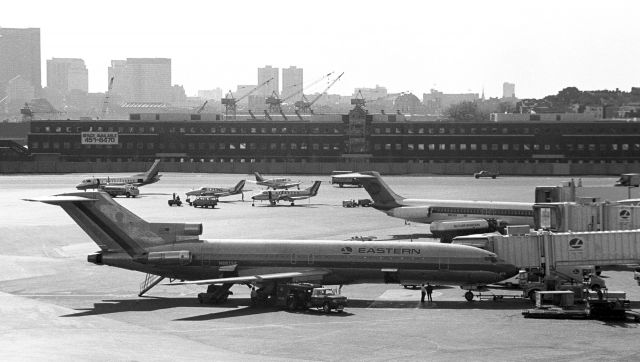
(448, 218)
(140, 179)
(275, 196)
(174, 250)
(219, 191)
(276, 183)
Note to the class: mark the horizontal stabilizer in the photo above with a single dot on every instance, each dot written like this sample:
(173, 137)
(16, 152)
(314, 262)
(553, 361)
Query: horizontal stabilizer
(258, 278)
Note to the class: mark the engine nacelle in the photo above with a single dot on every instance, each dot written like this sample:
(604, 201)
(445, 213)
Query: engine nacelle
(191, 229)
(448, 229)
(95, 258)
(411, 213)
(181, 257)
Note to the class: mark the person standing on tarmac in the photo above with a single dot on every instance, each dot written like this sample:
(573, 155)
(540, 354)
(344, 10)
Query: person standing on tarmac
(423, 292)
(254, 296)
(429, 291)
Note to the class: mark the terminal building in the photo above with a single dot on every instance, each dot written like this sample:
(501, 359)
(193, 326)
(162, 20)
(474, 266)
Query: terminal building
(358, 135)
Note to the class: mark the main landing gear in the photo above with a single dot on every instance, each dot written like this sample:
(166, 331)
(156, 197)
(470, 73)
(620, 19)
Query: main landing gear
(216, 294)
(468, 296)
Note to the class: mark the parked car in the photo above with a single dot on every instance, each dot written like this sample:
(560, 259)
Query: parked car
(485, 173)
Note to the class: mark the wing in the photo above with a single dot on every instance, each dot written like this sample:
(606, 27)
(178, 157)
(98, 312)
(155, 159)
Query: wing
(310, 274)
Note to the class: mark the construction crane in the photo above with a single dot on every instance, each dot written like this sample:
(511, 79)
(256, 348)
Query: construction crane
(304, 105)
(201, 108)
(231, 104)
(275, 103)
(105, 104)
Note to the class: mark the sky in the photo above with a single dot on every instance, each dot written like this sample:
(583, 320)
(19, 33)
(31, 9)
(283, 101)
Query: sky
(454, 46)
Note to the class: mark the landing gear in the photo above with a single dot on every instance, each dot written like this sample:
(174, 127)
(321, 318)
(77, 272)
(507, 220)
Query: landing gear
(216, 294)
(292, 204)
(468, 296)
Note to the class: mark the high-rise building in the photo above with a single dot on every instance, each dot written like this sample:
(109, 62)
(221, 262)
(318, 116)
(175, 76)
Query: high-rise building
(20, 56)
(265, 74)
(67, 74)
(292, 81)
(508, 90)
(210, 94)
(141, 79)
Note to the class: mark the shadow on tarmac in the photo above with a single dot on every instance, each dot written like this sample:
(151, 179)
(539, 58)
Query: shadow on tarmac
(241, 306)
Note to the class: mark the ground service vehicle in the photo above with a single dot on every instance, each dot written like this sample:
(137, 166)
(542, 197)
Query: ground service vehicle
(563, 276)
(365, 202)
(204, 201)
(629, 179)
(121, 190)
(349, 203)
(344, 178)
(175, 200)
(485, 173)
(307, 295)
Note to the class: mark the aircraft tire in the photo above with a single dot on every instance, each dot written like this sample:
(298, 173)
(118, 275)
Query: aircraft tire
(200, 299)
(468, 296)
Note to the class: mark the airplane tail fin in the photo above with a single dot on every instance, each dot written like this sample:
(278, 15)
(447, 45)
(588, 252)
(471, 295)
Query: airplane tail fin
(152, 174)
(114, 227)
(258, 176)
(238, 188)
(313, 190)
(383, 197)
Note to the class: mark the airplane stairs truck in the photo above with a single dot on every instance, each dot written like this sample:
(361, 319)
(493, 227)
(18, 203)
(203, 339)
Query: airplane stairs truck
(175, 251)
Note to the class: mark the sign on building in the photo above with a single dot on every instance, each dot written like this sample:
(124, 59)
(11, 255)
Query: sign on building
(99, 138)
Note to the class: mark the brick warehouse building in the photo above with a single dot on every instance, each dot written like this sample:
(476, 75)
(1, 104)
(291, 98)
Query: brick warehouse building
(334, 138)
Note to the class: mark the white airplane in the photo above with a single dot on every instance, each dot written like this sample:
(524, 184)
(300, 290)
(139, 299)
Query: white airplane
(276, 183)
(448, 218)
(175, 251)
(140, 179)
(219, 191)
(274, 196)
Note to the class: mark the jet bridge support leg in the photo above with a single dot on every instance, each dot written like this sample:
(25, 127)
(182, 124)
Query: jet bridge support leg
(150, 281)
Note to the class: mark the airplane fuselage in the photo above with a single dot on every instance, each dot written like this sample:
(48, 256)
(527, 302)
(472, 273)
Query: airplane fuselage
(211, 191)
(280, 194)
(278, 183)
(346, 261)
(96, 182)
(428, 211)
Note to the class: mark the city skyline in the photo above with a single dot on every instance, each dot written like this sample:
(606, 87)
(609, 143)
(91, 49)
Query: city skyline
(454, 47)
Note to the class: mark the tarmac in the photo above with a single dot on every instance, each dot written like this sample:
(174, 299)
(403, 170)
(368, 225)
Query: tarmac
(56, 306)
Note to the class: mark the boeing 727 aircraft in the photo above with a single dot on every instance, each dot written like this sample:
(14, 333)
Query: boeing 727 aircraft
(276, 183)
(174, 250)
(140, 179)
(286, 195)
(219, 191)
(448, 218)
